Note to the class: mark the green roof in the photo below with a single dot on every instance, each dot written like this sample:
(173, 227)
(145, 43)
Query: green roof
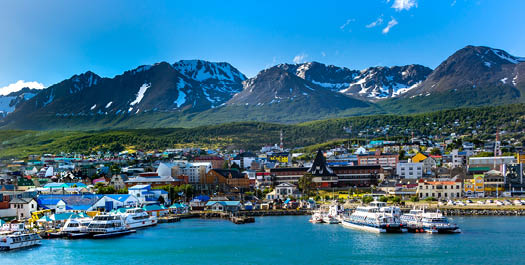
(478, 168)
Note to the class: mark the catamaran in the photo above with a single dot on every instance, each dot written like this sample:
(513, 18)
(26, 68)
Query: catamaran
(137, 218)
(16, 240)
(430, 222)
(374, 218)
(106, 225)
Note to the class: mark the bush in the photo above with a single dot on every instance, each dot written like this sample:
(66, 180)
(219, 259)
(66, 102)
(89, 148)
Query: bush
(367, 199)
(414, 199)
(383, 199)
(396, 199)
(430, 199)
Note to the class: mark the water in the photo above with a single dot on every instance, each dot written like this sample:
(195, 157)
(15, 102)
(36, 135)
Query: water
(287, 240)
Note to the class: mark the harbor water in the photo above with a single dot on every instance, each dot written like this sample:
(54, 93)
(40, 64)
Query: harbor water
(287, 240)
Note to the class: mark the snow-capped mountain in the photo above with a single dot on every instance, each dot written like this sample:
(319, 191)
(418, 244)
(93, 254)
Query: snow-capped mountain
(386, 82)
(183, 86)
(9, 102)
(371, 84)
(277, 85)
(474, 68)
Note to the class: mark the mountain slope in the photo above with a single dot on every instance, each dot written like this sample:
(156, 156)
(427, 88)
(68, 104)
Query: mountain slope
(9, 102)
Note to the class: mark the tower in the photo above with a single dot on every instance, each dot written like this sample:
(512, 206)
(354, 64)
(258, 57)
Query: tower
(281, 145)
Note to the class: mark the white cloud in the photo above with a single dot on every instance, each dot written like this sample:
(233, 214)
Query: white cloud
(323, 54)
(348, 21)
(300, 58)
(390, 25)
(378, 22)
(400, 5)
(19, 85)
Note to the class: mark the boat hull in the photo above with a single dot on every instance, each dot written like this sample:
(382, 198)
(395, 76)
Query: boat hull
(141, 224)
(113, 234)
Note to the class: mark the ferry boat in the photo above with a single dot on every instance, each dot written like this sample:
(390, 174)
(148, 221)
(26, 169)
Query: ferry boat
(137, 218)
(374, 218)
(418, 221)
(18, 240)
(76, 228)
(106, 225)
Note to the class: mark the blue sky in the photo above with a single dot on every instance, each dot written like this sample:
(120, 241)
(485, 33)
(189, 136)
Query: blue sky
(48, 41)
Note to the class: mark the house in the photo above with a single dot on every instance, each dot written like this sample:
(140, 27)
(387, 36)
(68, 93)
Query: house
(155, 209)
(224, 206)
(76, 202)
(385, 160)
(418, 157)
(230, 177)
(448, 189)
(244, 160)
(194, 170)
(23, 207)
(475, 186)
(283, 191)
(199, 202)
(118, 181)
(146, 195)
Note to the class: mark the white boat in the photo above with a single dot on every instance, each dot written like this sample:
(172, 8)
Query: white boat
(374, 218)
(316, 218)
(137, 218)
(435, 222)
(76, 227)
(419, 221)
(106, 225)
(18, 240)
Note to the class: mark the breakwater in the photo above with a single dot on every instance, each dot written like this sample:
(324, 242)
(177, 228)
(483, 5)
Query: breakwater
(482, 212)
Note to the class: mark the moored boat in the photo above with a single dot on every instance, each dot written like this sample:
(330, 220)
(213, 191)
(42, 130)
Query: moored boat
(136, 218)
(104, 226)
(373, 218)
(18, 240)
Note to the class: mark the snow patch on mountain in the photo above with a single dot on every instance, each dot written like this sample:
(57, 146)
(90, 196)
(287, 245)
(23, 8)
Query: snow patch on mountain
(181, 99)
(93, 107)
(109, 104)
(140, 94)
(505, 56)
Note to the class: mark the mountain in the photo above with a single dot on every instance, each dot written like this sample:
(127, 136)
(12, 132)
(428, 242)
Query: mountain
(371, 84)
(276, 85)
(184, 86)
(472, 76)
(9, 102)
(376, 83)
(195, 92)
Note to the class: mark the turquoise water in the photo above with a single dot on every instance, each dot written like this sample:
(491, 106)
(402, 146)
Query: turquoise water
(287, 240)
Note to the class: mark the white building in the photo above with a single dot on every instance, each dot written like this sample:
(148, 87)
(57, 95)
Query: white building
(409, 170)
(283, 191)
(146, 195)
(194, 170)
(114, 201)
(23, 207)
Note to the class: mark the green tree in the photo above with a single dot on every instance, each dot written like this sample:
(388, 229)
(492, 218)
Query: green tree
(226, 164)
(435, 151)
(383, 199)
(305, 183)
(367, 199)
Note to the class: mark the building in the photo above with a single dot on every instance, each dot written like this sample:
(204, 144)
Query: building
(196, 171)
(377, 158)
(118, 181)
(283, 191)
(152, 179)
(514, 179)
(224, 180)
(216, 161)
(224, 206)
(111, 202)
(441, 190)
(146, 195)
(495, 162)
(410, 170)
(23, 207)
(244, 160)
(475, 186)
(494, 183)
(330, 177)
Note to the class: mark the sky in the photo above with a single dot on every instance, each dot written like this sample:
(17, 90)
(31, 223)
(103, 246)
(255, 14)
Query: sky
(45, 42)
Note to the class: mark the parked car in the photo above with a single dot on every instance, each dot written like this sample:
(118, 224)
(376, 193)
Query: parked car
(499, 203)
(518, 202)
(451, 202)
(489, 201)
(469, 201)
(460, 203)
(480, 202)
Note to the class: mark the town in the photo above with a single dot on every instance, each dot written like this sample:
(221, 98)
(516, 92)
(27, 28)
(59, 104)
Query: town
(190, 179)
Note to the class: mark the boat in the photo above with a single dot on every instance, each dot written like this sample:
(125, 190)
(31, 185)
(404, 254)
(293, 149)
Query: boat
(435, 222)
(17, 240)
(333, 216)
(374, 218)
(76, 228)
(106, 225)
(317, 218)
(419, 221)
(137, 218)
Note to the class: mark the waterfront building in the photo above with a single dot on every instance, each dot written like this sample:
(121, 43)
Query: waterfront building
(223, 180)
(283, 191)
(514, 179)
(224, 206)
(495, 162)
(475, 186)
(448, 189)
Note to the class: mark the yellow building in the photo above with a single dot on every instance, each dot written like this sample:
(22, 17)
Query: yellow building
(474, 186)
(419, 157)
(521, 158)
